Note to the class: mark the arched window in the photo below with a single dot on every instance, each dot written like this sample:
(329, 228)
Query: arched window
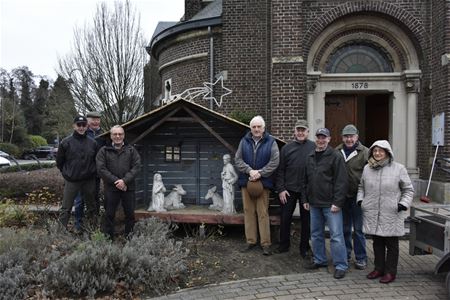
(359, 58)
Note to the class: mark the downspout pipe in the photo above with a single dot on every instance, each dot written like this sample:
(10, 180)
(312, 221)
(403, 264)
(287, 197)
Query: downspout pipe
(211, 65)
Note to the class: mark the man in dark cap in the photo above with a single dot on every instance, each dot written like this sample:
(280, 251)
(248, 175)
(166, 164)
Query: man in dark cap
(289, 180)
(93, 131)
(355, 156)
(323, 194)
(76, 161)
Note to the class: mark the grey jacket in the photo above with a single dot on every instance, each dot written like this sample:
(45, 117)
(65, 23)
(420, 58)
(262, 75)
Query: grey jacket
(381, 190)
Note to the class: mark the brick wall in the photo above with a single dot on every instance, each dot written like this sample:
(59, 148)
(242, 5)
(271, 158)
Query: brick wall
(245, 55)
(255, 31)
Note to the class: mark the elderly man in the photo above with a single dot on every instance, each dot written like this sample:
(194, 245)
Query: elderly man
(93, 131)
(355, 156)
(118, 165)
(76, 161)
(289, 180)
(323, 194)
(257, 158)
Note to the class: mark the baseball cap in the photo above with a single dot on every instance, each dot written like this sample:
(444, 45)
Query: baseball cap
(349, 129)
(80, 119)
(323, 131)
(301, 124)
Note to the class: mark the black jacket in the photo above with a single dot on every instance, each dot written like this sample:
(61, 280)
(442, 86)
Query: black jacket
(326, 180)
(76, 157)
(291, 171)
(113, 164)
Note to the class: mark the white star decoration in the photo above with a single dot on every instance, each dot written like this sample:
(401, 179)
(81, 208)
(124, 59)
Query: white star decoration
(206, 92)
(210, 87)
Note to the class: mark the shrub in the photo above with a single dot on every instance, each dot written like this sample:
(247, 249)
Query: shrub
(243, 116)
(14, 215)
(36, 141)
(28, 167)
(19, 184)
(151, 261)
(11, 149)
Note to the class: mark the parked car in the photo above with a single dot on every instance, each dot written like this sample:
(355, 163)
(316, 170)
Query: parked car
(4, 162)
(4, 154)
(47, 152)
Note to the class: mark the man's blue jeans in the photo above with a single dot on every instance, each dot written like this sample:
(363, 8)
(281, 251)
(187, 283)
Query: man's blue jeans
(319, 217)
(352, 215)
(79, 211)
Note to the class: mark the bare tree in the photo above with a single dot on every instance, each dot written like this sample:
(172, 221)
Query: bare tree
(106, 67)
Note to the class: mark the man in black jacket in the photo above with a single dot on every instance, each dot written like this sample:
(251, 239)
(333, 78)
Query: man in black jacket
(76, 161)
(324, 196)
(289, 180)
(118, 165)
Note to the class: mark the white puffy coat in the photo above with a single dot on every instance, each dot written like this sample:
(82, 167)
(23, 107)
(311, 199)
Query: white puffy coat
(381, 190)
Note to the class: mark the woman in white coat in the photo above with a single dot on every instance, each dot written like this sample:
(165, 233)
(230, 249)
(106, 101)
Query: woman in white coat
(385, 193)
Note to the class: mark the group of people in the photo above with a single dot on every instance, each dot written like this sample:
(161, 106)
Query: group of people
(83, 159)
(349, 187)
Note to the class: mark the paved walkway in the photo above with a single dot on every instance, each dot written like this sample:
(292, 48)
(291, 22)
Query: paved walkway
(415, 280)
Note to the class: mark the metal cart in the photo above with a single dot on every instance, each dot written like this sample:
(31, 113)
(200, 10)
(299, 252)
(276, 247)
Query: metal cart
(430, 234)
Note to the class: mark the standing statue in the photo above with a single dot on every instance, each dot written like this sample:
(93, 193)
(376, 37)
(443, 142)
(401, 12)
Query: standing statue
(229, 178)
(157, 194)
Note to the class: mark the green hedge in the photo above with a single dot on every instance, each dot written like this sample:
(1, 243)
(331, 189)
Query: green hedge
(11, 149)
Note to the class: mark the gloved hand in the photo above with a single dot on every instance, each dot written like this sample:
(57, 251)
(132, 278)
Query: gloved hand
(401, 207)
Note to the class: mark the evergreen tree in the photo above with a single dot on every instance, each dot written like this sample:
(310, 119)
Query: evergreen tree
(12, 128)
(39, 107)
(60, 112)
(25, 78)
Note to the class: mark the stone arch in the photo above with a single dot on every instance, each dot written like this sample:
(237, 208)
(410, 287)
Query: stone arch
(387, 35)
(414, 25)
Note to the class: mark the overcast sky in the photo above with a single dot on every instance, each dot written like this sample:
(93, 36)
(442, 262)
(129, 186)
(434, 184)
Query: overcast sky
(34, 33)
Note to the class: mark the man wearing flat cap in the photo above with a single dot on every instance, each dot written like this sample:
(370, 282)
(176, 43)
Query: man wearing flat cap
(93, 131)
(76, 161)
(323, 194)
(289, 180)
(355, 155)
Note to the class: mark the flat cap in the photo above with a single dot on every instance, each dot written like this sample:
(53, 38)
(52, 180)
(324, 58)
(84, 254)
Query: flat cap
(323, 131)
(255, 188)
(349, 129)
(80, 119)
(93, 114)
(301, 124)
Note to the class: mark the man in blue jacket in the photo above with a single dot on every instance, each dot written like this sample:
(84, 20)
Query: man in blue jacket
(257, 158)
(76, 161)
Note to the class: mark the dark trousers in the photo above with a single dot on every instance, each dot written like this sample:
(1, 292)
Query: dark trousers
(86, 189)
(386, 254)
(285, 224)
(112, 200)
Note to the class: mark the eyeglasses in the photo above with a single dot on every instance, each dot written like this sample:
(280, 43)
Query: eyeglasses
(81, 124)
(117, 134)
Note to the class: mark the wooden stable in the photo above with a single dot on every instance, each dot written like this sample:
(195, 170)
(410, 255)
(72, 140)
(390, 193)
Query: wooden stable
(185, 143)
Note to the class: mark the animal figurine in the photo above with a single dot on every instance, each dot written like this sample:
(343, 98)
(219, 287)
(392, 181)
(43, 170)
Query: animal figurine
(173, 200)
(216, 198)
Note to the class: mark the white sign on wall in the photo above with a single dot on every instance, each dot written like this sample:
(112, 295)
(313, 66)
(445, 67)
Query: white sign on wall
(438, 129)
